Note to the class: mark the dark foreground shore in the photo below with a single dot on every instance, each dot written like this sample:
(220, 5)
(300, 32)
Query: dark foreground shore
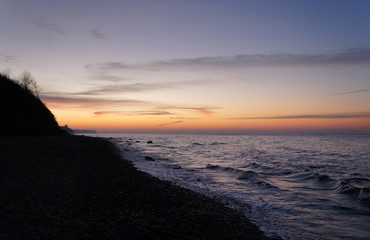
(74, 187)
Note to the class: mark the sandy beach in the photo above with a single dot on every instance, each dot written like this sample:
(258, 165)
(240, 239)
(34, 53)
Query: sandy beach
(74, 187)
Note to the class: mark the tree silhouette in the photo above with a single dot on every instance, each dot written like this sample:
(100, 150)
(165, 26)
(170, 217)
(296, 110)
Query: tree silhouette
(27, 82)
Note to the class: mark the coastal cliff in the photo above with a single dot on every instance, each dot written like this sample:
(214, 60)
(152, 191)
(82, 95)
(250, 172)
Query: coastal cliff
(23, 113)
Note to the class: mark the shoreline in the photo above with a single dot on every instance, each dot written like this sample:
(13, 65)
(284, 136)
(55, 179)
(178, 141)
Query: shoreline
(69, 187)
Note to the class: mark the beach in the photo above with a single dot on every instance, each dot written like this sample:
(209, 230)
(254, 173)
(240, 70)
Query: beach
(75, 187)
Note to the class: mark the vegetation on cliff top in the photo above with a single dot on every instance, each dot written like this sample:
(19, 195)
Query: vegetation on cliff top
(22, 111)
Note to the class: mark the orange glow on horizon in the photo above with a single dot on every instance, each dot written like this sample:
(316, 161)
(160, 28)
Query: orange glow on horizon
(86, 120)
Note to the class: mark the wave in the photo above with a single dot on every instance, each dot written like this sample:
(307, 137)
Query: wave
(197, 144)
(252, 165)
(244, 175)
(337, 155)
(268, 170)
(212, 166)
(354, 187)
(257, 174)
(309, 176)
(217, 143)
(361, 193)
(259, 167)
(240, 174)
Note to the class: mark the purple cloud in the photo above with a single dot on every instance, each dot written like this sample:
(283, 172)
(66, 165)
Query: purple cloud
(310, 116)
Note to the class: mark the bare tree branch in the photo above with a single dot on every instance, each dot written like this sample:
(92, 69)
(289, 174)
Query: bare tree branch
(26, 81)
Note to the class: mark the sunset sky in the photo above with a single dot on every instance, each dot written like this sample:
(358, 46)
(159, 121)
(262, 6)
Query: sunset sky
(195, 66)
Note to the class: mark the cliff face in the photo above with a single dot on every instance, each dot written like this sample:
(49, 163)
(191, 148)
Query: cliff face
(22, 113)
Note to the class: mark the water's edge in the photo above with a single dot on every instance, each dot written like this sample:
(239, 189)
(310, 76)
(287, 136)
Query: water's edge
(305, 202)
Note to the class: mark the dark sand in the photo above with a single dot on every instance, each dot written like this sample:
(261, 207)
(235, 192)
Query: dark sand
(73, 187)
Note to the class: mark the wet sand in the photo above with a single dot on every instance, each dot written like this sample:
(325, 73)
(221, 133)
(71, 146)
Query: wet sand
(74, 187)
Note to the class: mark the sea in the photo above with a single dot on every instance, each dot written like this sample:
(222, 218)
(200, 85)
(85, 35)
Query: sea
(291, 187)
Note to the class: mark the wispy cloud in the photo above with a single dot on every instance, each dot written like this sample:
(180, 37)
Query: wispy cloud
(90, 103)
(124, 88)
(351, 92)
(350, 56)
(106, 66)
(310, 116)
(136, 87)
(184, 118)
(131, 113)
(48, 26)
(170, 123)
(156, 110)
(205, 111)
(112, 107)
(97, 34)
(6, 58)
(105, 76)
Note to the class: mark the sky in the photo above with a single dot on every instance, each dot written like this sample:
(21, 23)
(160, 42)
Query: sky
(220, 66)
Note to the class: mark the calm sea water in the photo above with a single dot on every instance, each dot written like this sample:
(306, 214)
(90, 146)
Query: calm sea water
(293, 187)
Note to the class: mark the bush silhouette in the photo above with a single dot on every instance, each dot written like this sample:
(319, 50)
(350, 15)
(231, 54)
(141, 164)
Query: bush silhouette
(22, 112)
